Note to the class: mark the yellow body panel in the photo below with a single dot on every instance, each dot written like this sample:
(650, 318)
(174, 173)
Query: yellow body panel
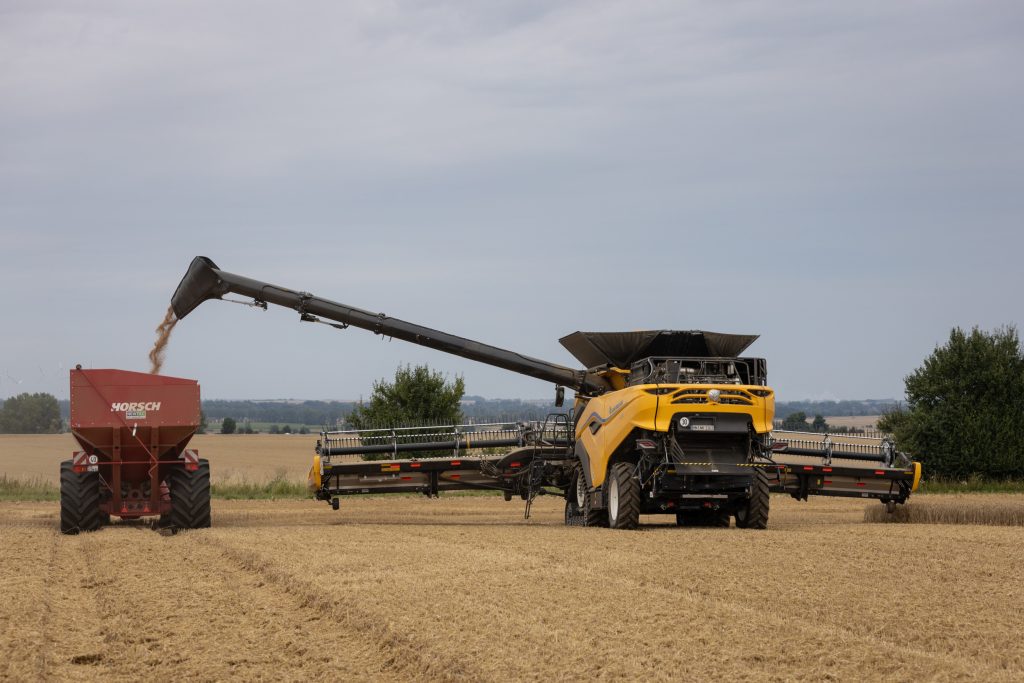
(314, 482)
(620, 412)
(917, 476)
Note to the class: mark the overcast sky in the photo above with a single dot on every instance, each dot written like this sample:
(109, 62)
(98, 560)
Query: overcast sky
(845, 179)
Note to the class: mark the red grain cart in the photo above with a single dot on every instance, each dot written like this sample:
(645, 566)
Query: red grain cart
(133, 429)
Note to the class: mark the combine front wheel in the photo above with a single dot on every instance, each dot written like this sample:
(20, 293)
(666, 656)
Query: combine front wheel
(753, 513)
(190, 497)
(578, 511)
(79, 500)
(623, 497)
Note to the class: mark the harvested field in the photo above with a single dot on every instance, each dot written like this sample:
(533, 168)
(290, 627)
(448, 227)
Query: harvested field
(463, 588)
(233, 457)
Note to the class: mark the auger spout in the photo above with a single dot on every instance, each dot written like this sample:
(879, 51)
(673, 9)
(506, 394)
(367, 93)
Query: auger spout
(204, 281)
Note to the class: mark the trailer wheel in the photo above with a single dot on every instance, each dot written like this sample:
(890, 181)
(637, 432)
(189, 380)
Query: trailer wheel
(703, 518)
(622, 497)
(190, 498)
(753, 513)
(79, 500)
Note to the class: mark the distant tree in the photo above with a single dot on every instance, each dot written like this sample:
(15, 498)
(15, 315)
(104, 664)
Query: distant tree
(417, 395)
(274, 429)
(31, 414)
(286, 429)
(202, 423)
(303, 430)
(228, 426)
(965, 407)
(796, 422)
(818, 424)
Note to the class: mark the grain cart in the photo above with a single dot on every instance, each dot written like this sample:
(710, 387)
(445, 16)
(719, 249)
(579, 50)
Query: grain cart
(665, 422)
(133, 429)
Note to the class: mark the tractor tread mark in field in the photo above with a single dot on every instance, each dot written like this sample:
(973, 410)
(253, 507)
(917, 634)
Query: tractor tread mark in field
(79, 500)
(190, 497)
(754, 515)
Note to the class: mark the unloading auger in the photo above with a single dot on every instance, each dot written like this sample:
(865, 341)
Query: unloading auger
(664, 422)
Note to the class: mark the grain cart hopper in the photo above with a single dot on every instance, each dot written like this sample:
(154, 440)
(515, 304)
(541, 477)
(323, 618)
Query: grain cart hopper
(665, 421)
(133, 429)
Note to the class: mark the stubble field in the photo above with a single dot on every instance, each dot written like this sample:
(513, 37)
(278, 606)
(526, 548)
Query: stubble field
(463, 588)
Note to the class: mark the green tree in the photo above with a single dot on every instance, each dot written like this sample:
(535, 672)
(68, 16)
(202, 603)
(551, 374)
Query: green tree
(796, 422)
(274, 429)
(818, 424)
(31, 414)
(417, 395)
(965, 406)
(228, 426)
(286, 429)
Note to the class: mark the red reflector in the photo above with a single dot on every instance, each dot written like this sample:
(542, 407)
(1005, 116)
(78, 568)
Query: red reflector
(828, 481)
(515, 464)
(406, 478)
(79, 469)
(414, 464)
(808, 468)
(456, 476)
(826, 469)
(860, 483)
(456, 462)
(880, 472)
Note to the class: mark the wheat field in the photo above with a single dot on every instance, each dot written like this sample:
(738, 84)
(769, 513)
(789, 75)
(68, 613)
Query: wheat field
(406, 588)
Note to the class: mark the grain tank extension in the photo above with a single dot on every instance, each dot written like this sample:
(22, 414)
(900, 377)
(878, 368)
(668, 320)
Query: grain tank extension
(133, 429)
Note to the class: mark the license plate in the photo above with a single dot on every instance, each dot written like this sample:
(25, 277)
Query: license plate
(702, 428)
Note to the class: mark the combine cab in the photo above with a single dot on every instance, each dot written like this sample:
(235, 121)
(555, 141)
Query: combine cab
(133, 429)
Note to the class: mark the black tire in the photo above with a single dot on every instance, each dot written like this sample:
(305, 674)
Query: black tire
(190, 498)
(703, 518)
(622, 497)
(578, 511)
(79, 500)
(753, 514)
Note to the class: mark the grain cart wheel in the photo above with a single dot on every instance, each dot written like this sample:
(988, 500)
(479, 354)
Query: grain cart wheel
(705, 518)
(79, 500)
(622, 497)
(753, 513)
(190, 497)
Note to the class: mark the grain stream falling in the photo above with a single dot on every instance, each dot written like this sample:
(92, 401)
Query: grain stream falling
(163, 336)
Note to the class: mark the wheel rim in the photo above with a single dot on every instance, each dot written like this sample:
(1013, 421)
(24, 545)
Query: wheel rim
(613, 499)
(581, 490)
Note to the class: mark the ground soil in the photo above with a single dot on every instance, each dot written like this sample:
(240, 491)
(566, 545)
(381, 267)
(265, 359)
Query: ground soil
(463, 588)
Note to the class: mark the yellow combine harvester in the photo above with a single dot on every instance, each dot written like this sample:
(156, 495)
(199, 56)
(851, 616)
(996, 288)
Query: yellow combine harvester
(664, 422)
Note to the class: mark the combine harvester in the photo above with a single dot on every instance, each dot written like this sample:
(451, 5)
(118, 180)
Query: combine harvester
(664, 422)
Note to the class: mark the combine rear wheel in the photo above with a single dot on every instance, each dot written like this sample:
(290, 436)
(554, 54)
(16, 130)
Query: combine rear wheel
(79, 500)
(190, 498)
(622, 497)
(753, 514)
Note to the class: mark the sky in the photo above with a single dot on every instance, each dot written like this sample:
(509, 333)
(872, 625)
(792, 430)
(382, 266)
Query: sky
(845, 179)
